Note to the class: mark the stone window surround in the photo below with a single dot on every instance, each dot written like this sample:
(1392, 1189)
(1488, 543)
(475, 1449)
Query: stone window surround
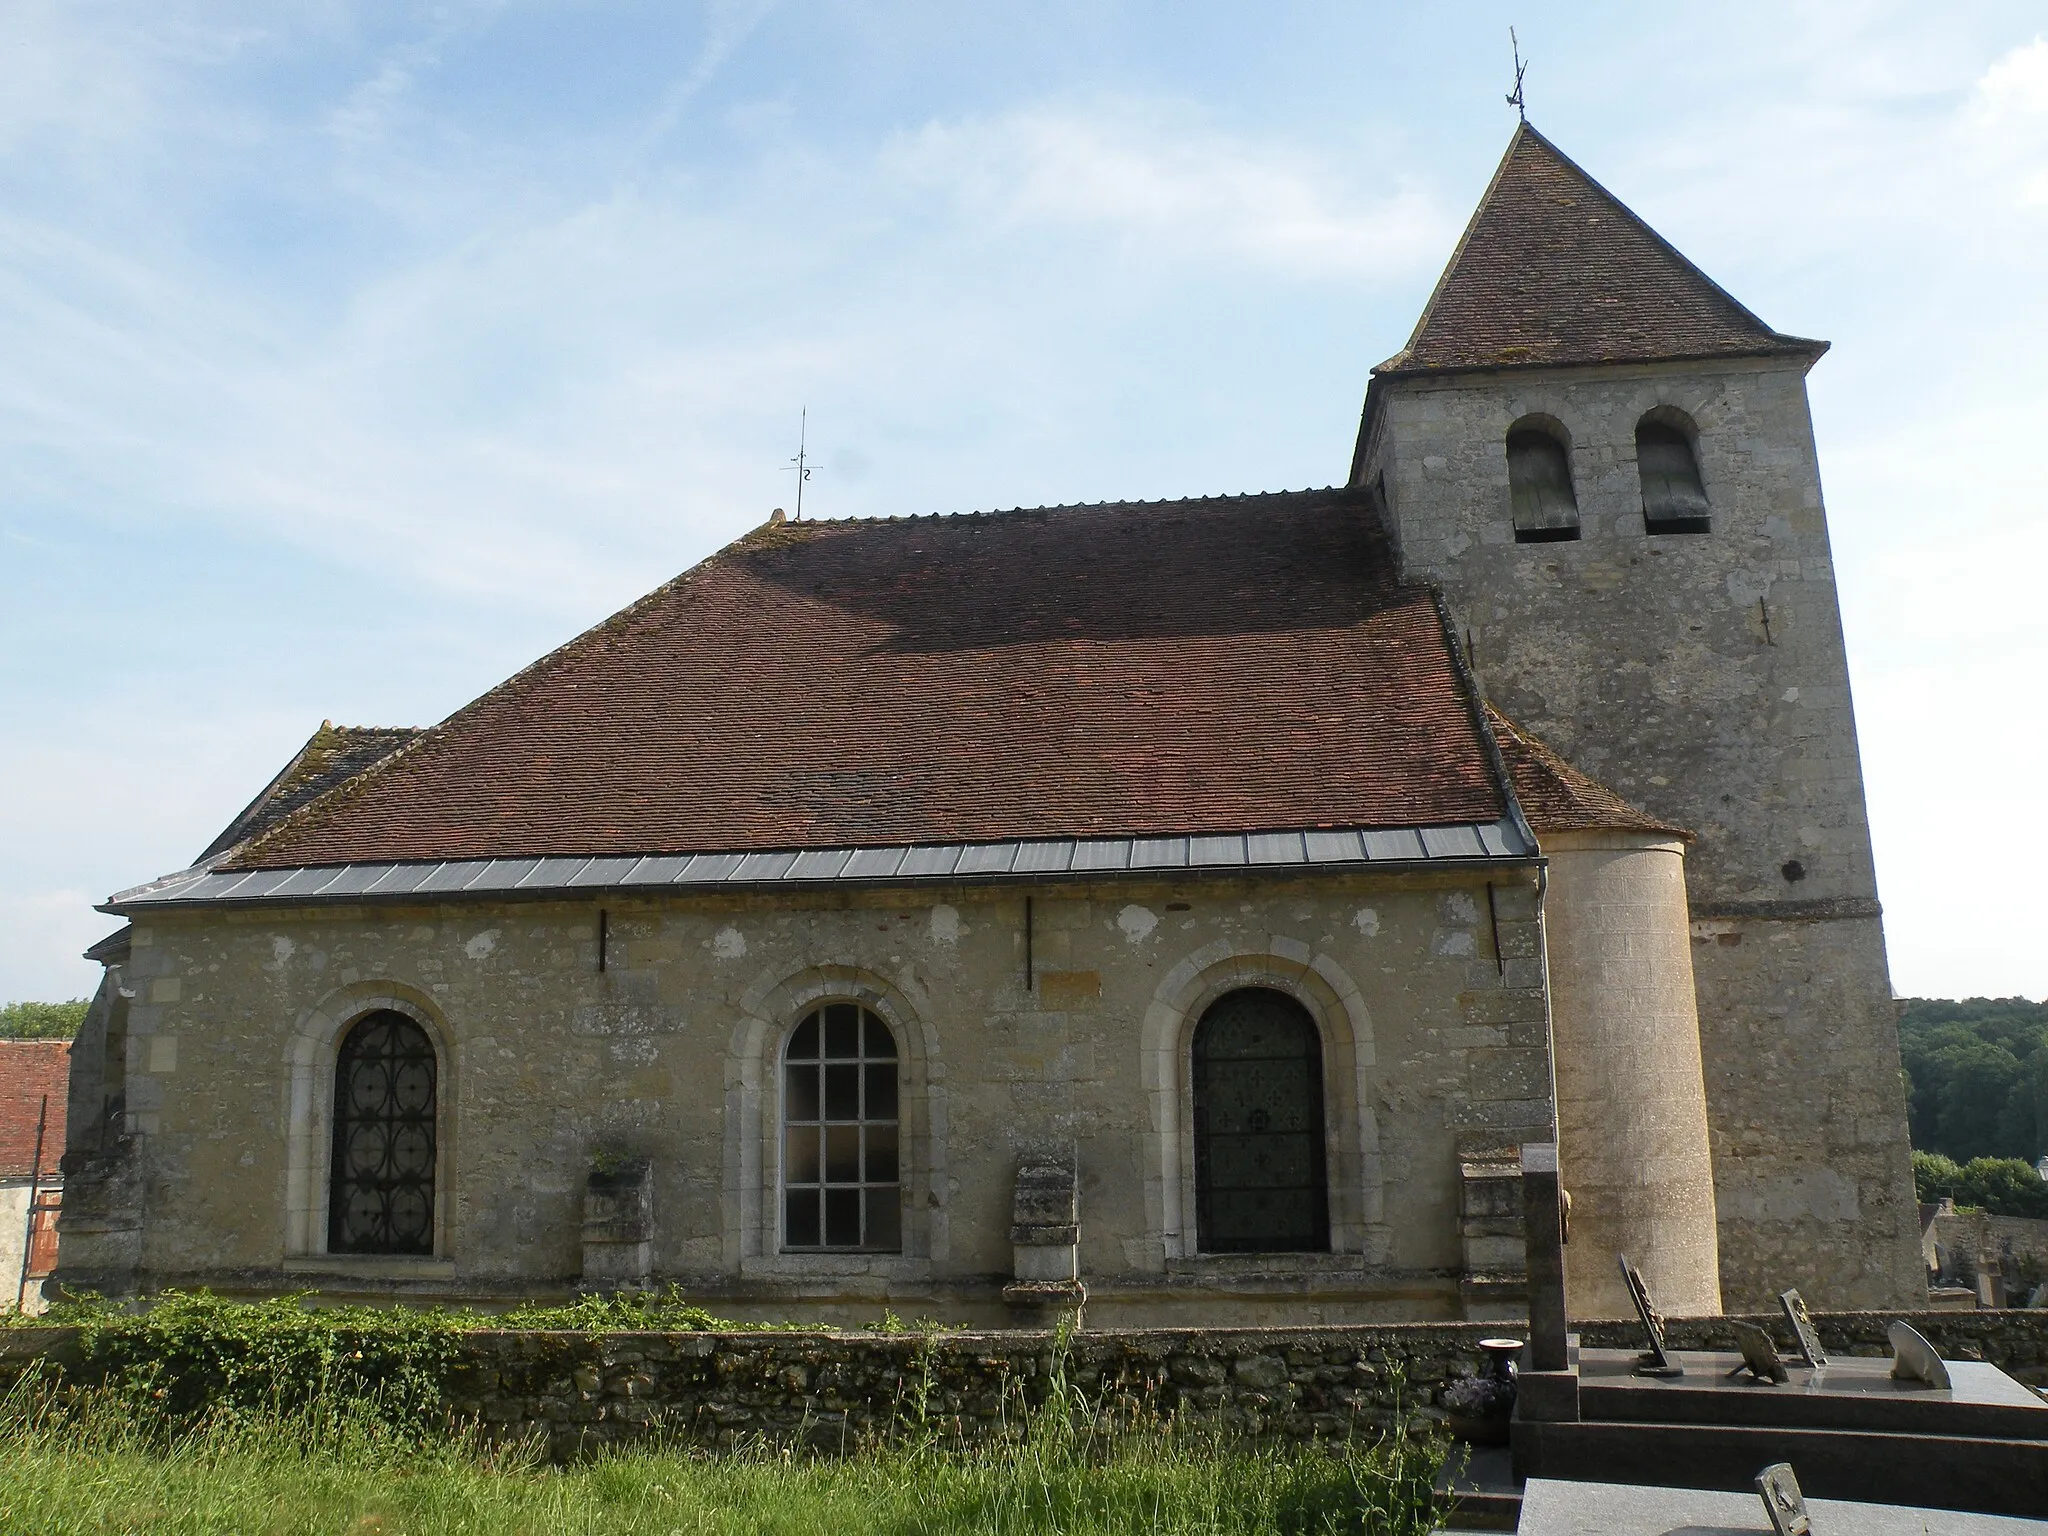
(770, 1010)
(1350, 1129)
(309, 1135)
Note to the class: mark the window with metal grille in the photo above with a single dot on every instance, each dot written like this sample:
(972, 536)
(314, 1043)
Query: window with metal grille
(1545, 508)
(1674, 500)
(382, 1196)
(841, 1184)
(1258, 1079)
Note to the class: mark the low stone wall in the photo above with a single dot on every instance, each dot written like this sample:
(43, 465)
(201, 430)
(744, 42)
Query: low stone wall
(832, 1391)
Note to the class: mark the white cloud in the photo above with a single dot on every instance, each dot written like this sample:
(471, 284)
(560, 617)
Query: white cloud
(1175, 192)
(2008, 117)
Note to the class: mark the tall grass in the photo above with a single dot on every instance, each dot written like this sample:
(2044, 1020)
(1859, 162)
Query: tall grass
(208, 1417)
(84, 1462)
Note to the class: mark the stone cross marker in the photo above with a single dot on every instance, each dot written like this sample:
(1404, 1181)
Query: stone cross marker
(1802, 1328)
(1783, 1501)
(1656, 1360)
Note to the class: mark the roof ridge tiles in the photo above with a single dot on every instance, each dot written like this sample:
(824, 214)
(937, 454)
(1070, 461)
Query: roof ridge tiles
(1207, 498)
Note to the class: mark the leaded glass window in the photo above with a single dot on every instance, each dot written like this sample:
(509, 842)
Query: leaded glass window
(382, 1196)
(1540, 488)
(841, 1179)
(1674, 500)
(1258, 1079)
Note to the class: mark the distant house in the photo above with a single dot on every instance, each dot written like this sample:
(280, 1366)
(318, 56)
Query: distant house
(35, 1078)
(2042, 1167)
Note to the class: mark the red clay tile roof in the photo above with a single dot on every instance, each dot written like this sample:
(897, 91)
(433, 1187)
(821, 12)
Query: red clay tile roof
(1556, 797)
(1212, 665)
(1553, 269)
(30, 1069)
(331, 755)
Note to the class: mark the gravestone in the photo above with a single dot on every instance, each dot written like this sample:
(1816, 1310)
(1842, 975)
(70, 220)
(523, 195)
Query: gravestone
(1914, 1359)
(1783, 1502)
(1657, 1359)
(1759, 1355)
(1802, 1328)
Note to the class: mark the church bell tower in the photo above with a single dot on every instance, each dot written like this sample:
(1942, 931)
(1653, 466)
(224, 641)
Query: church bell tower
(1607, 466)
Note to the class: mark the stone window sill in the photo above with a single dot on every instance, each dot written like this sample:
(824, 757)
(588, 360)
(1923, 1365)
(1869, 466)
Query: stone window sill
(1222, 1265)
(371, 1266)
(826, 1266)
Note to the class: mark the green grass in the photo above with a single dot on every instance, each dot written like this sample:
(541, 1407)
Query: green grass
(86, 1467)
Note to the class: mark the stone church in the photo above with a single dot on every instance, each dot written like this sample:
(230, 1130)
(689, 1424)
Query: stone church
(1196, 904)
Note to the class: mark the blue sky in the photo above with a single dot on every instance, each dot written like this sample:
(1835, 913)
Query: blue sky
(351, 356)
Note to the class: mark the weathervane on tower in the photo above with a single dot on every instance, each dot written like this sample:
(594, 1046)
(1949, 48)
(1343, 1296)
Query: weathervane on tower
(1515, 97)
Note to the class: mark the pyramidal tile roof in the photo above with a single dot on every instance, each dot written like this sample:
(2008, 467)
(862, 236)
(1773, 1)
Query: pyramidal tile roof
(1554, 270)
(1170, 668)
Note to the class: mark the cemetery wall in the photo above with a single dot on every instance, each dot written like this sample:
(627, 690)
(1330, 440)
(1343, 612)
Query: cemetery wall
(831, 1390)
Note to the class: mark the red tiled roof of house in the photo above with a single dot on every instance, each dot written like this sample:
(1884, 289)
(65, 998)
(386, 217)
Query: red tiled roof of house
(1553, 270)
(1556, 797)
(1225, 664)
(30, 1069)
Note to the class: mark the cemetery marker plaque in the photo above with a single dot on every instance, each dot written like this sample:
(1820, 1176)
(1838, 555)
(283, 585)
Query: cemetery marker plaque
(1656, 1360)
(1783, 1501)
(1759, 1355)
(1802, 1328)
(1914, 1359)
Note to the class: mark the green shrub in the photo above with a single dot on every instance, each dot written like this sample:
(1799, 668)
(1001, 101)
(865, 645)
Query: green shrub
(42, 1021)
(2004, 1186)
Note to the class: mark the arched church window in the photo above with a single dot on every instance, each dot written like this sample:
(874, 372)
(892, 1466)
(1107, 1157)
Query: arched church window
(841, 1179)
(381, 1199)
(1545, 509)
(1258, 1081)
(1674, 500)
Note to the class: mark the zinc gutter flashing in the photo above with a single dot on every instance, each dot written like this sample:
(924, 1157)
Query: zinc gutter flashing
(138, 901)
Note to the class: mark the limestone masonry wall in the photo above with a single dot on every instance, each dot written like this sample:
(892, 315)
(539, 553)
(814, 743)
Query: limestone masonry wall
(1427, 991)
(1631, 1106)
(1704, 677)
(828, 1391)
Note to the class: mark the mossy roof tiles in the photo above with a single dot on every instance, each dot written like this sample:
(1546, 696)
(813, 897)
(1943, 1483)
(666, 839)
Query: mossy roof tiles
(1168, 668)
(1556, 797)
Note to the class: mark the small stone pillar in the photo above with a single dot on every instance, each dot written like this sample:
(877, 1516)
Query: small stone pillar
(618, 1225)
(1045, 1238)
(1543, 1218)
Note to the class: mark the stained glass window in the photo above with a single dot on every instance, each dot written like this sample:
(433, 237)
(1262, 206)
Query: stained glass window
(841, 1180)
(382, 1197)
(1258, 1078)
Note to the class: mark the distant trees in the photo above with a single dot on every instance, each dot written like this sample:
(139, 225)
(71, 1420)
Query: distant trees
(1976, 1077)
(41, 1021)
